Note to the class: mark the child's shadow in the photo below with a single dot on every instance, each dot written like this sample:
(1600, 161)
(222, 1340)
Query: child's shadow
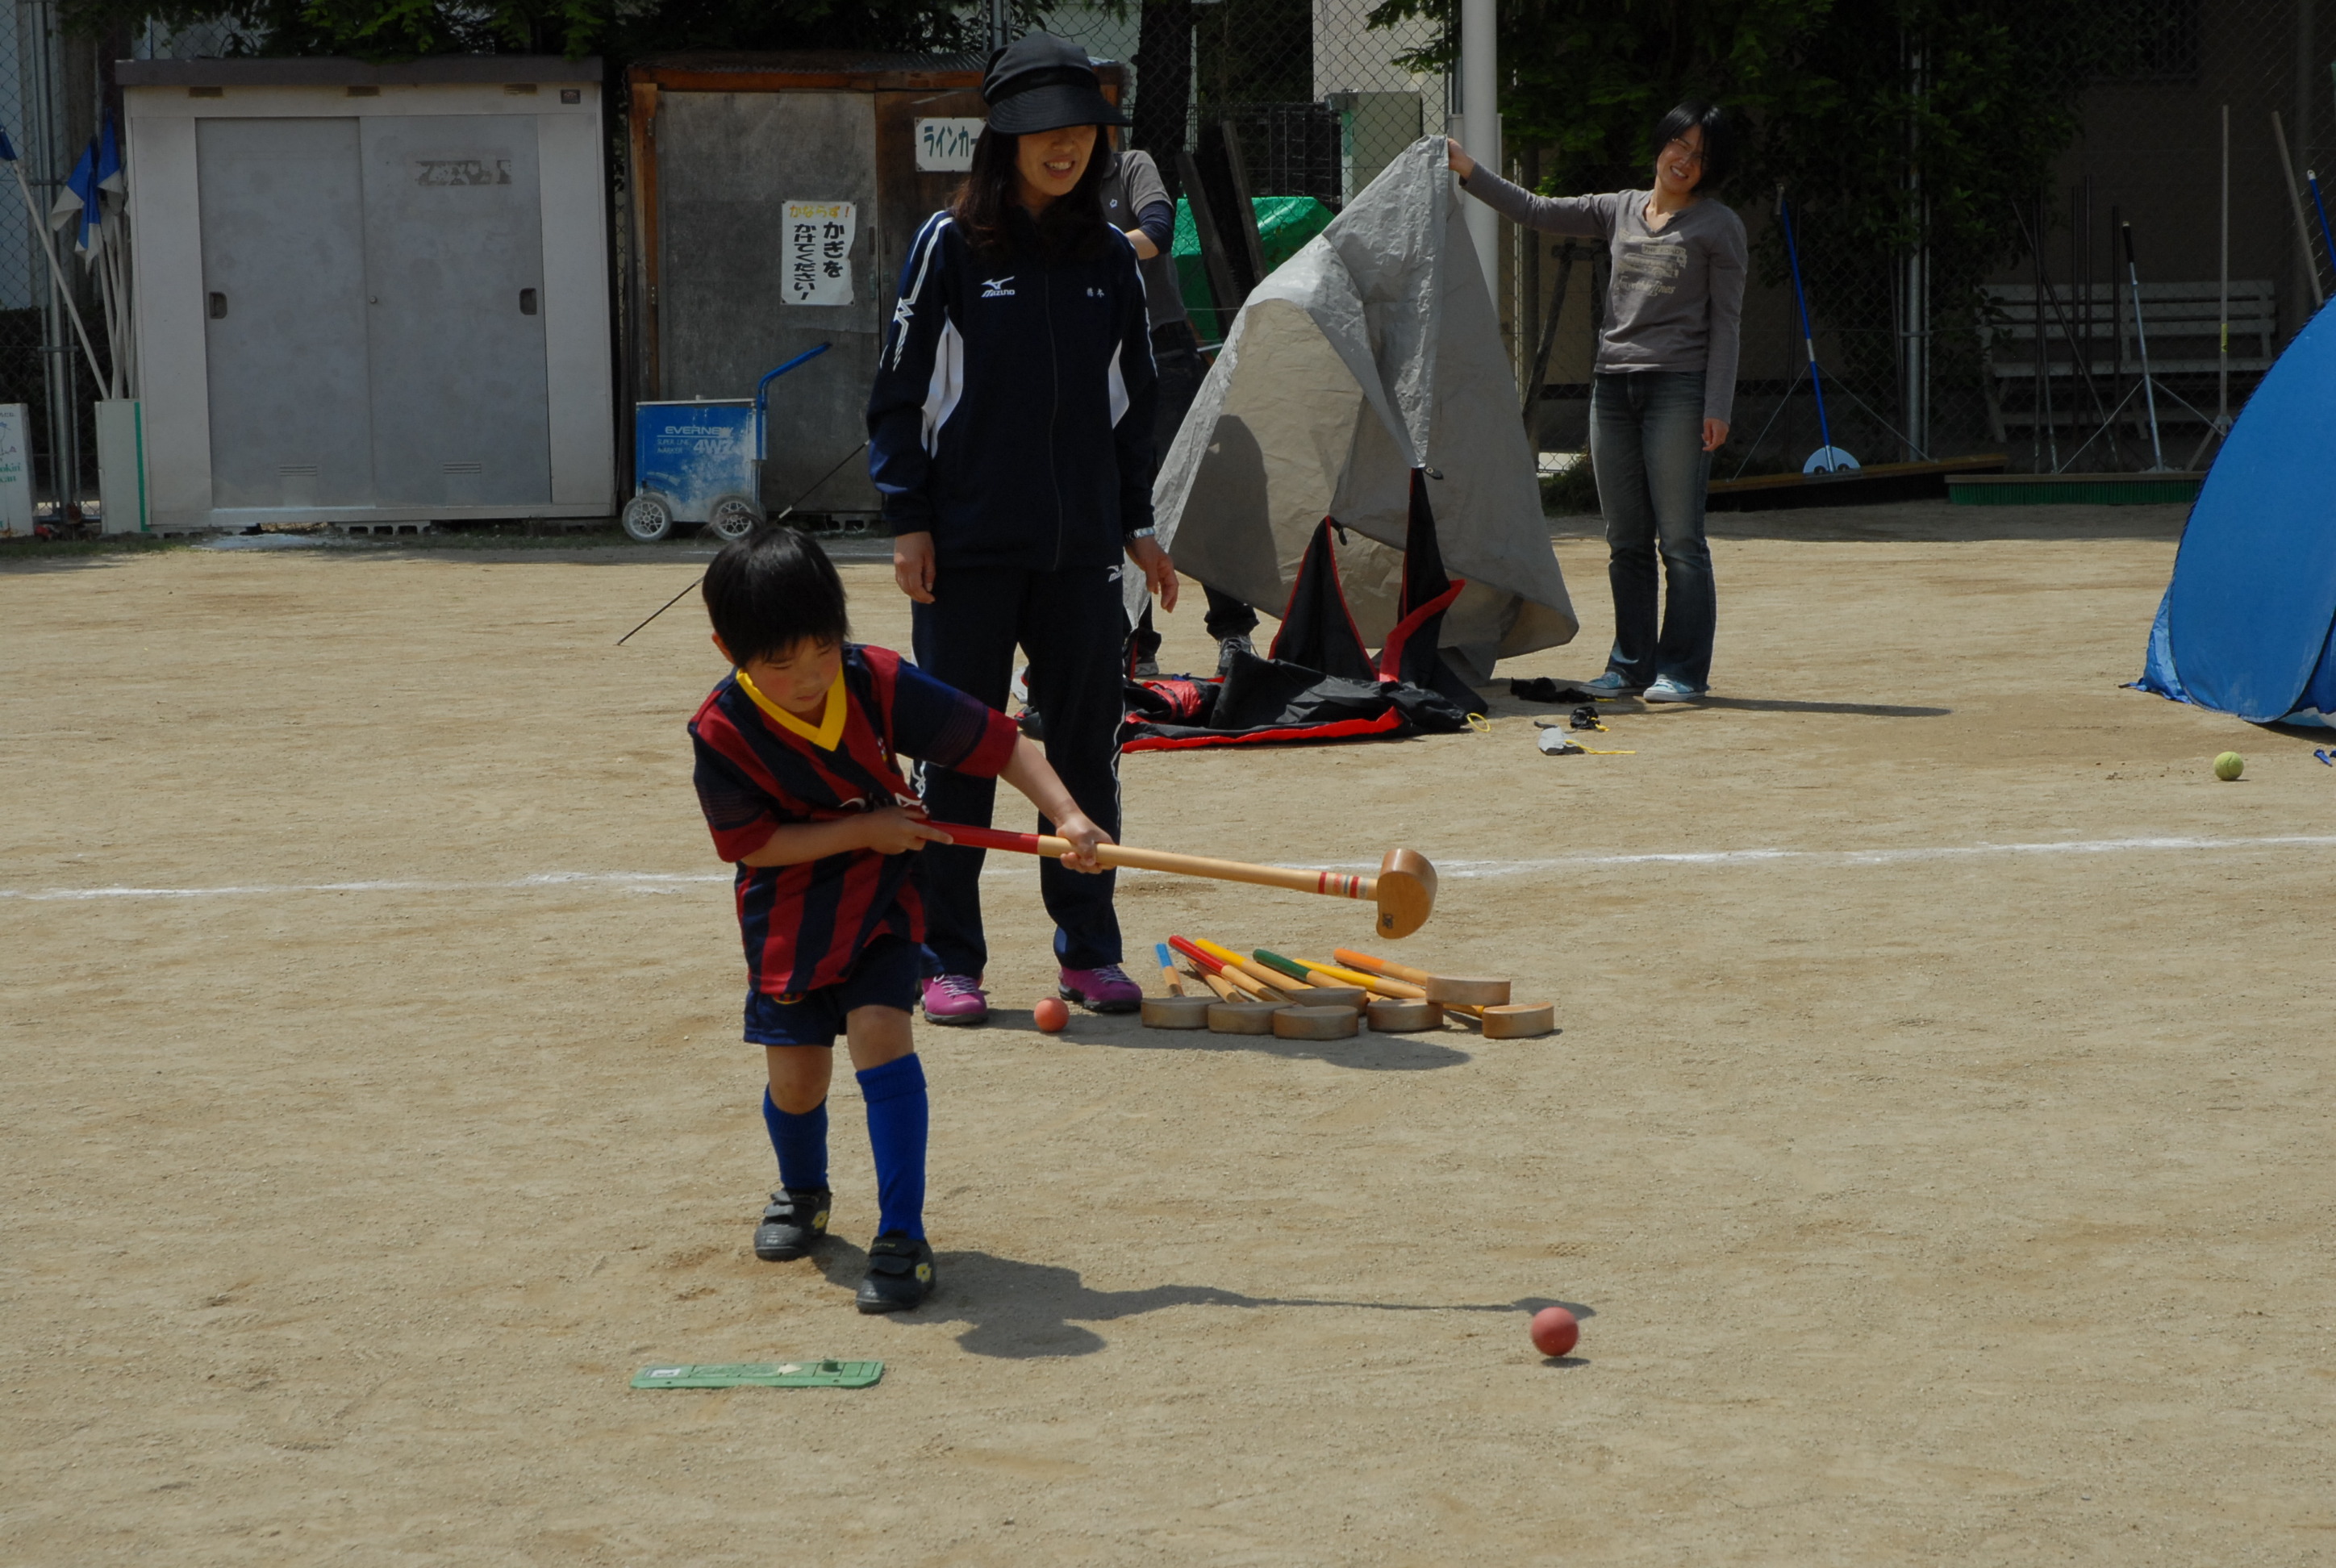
(1022, 1311)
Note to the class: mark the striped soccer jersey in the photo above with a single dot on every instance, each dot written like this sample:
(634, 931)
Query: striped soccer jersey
(805, 925)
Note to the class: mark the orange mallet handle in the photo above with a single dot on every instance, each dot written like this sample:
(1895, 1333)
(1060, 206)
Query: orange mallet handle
(1403, 972)
(1337, 884)
(1404, 890)
(1354, 959)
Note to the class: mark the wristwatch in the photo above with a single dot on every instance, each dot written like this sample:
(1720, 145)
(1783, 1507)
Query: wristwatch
(1145, 533)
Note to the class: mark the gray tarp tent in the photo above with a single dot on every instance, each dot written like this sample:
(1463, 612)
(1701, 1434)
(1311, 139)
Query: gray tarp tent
(1372, 351)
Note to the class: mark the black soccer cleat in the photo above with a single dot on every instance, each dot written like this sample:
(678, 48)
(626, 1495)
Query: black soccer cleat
(900, 1273)
(791, 1224)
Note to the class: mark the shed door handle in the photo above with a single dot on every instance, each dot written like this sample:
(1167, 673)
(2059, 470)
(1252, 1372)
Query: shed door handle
(527, 302)
(219, 306)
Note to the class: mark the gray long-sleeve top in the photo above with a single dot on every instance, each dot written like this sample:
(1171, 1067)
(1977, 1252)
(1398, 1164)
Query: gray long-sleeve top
(1677, 298)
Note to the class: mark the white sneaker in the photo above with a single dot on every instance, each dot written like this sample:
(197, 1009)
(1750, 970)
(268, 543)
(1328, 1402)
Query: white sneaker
(1666, 689)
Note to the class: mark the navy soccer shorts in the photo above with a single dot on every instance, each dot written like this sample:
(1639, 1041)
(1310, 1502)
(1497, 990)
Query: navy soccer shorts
(885, 976)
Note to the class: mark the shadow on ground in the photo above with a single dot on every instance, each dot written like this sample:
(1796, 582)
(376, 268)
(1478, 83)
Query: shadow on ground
(1502, 706)
(1366, 1052)
(1922, 522)
(1787, 705)
(1019, 1311)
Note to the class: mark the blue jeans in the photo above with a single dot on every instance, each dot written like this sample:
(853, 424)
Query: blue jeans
(1646, 449)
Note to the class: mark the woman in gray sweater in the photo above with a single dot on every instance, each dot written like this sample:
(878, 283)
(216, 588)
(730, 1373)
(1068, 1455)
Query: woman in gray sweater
(1662, 388)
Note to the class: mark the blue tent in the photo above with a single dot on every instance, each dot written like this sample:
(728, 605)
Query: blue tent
(2248, 625)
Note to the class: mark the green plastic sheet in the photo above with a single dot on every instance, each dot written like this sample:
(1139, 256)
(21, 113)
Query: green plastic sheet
(1284, 224)
(760, 1375)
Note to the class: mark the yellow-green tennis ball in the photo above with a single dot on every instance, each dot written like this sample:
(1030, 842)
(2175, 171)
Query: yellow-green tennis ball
(2229, 766)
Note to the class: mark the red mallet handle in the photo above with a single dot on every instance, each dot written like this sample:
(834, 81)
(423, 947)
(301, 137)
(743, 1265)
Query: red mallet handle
(991, 839)
(1232, 977)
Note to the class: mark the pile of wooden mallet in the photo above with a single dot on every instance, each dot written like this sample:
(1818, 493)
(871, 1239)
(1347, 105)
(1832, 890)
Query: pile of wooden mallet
(1266, 993)
(1300, 998)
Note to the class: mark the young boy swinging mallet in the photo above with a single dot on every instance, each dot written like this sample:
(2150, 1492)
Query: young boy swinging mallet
(798, 775)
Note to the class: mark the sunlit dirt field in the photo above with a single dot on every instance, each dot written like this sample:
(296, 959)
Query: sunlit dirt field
(1936, 1149)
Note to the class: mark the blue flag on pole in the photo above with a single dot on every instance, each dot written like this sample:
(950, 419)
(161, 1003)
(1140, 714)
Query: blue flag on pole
(78, 200)
(110, 177)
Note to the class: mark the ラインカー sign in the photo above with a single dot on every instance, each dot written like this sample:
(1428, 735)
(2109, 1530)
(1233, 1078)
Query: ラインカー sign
(946, 146)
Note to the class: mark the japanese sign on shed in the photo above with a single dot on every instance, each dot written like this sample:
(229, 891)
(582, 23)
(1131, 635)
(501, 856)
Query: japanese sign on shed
(819, 253)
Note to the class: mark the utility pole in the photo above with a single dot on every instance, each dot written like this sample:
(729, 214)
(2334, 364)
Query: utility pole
(1479, 106)
(1915, 291)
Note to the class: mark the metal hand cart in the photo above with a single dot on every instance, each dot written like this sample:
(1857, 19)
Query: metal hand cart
(695, 462)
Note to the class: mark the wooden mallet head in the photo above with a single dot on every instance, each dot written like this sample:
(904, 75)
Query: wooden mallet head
(1405, 892)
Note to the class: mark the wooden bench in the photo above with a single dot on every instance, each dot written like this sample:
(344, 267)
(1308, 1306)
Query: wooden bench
(2184, 321)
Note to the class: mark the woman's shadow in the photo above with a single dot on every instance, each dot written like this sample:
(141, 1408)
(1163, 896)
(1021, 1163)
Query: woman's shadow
(1020, 1310)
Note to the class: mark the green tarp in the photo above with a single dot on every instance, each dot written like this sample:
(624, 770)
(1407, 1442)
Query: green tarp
(1284, 224)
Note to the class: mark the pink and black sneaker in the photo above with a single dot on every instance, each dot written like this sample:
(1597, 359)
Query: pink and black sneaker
(956, 999)
(1104, 990)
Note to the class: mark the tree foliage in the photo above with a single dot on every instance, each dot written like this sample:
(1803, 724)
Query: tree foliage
(619, 29)
(1877, 155)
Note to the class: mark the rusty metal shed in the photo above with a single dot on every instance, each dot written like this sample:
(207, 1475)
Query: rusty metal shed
(721, 144)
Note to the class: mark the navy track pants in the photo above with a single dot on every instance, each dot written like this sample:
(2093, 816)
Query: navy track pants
(1072, 625)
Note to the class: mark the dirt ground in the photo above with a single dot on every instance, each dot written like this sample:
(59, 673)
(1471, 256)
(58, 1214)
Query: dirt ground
(1936, 1150)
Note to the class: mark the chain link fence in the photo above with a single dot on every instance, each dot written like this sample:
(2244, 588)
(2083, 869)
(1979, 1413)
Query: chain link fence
(39, 109)
(1955, 323)
(2038, 349)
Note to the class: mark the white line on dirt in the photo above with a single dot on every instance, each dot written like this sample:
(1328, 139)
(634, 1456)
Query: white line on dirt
(656, 881)
(1875, 857)
(644, 881)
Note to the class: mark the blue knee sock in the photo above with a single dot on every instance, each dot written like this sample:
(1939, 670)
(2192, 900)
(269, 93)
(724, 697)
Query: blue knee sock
(800, 1143)
(897, 1123)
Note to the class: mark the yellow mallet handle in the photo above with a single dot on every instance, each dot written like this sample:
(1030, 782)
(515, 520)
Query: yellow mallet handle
(1379, 983)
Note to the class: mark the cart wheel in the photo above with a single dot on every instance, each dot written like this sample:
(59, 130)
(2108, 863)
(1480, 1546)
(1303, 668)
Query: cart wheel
(647, 518)
(734, 517)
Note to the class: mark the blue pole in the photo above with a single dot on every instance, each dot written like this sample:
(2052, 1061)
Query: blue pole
(762, 386)
(1809, 338)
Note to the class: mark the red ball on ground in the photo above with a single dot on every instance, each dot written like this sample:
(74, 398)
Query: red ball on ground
(1052, 1013)
(1554, 1331)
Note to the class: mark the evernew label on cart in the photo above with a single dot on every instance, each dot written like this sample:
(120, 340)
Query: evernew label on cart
(819, 253)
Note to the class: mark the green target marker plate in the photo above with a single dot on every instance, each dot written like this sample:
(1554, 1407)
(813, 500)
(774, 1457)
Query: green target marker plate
(760, 1374)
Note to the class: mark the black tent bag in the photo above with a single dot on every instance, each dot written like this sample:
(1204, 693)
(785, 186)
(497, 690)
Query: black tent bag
(1320, 684)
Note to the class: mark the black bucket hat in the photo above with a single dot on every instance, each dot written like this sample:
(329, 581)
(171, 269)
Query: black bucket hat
(1042, 83)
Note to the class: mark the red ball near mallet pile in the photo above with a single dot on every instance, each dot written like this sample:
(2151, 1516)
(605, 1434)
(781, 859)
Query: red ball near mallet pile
(1051, 1013)
(1555, 1332)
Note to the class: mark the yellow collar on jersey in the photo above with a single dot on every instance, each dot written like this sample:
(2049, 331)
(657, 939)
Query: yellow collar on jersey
(828, 733)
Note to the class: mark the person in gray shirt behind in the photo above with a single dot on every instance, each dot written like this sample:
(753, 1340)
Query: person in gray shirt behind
(1662, 388)
(1135, 201)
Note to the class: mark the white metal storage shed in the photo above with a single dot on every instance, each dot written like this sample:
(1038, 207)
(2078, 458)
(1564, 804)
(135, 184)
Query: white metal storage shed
(372, 294)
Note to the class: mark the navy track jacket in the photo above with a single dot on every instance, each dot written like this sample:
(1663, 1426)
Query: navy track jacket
(1012, 413)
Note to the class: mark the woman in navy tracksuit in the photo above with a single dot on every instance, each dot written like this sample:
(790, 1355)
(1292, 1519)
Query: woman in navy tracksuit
(1010, 435)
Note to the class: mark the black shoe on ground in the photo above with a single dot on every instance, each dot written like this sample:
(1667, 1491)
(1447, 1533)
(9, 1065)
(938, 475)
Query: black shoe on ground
(793, 1224)
(900, 1273)
(1228, 646)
